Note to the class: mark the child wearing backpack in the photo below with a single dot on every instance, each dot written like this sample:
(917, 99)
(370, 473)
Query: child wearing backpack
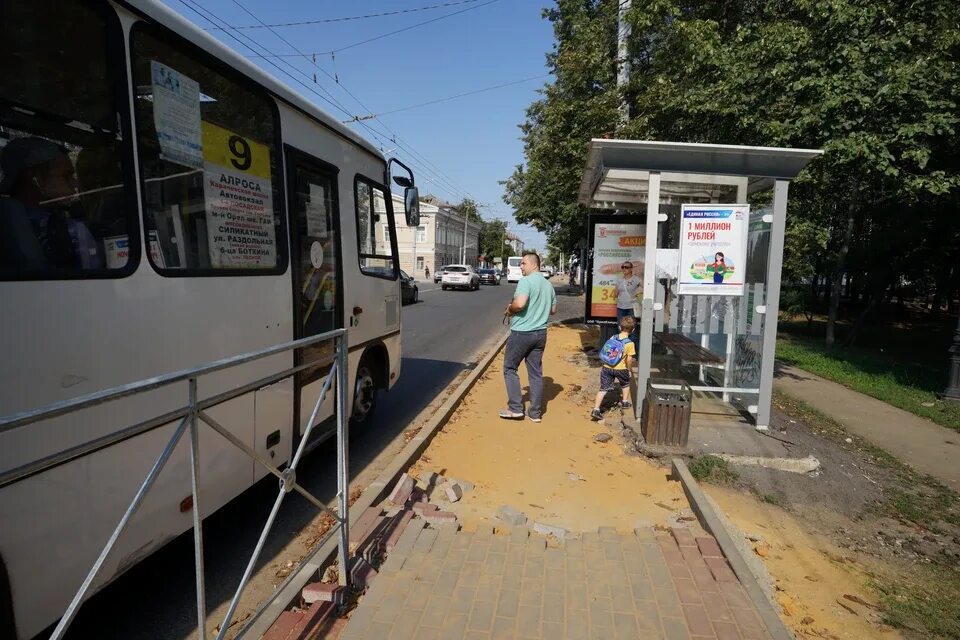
(618, 356)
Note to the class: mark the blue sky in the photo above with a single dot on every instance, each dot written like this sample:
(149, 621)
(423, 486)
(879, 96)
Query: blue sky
(459, 147)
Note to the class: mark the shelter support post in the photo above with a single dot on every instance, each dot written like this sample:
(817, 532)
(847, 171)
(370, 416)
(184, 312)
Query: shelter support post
(649, 291)
(774, 266)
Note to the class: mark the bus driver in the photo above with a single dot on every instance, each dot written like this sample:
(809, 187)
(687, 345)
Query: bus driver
(38, 186)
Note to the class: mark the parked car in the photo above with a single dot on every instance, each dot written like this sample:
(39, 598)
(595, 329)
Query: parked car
(409, 292)
(460, 276)
(438, 274)
(488, 276)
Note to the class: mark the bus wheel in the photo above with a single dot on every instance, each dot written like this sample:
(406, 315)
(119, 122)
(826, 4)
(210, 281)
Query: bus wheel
(8, 628)
(364, 395)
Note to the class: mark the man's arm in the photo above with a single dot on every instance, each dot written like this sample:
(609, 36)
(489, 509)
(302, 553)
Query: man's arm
(517, 305)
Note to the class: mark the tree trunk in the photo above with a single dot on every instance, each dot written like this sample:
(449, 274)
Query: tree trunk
(836, 284)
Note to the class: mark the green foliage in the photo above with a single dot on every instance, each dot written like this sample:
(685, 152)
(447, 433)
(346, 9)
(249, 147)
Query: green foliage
(712, 469)
(928, 604)
(492, 240)
(910, 385)
(875, 83)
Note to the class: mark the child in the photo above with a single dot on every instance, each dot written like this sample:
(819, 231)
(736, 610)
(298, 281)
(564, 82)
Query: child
(619, 371)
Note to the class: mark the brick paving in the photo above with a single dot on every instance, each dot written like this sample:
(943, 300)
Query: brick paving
(439, 582)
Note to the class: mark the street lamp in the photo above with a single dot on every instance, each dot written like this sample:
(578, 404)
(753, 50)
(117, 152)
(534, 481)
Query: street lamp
(952, 392)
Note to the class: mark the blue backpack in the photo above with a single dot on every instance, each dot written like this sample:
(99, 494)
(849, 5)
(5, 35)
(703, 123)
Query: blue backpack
(613, 350)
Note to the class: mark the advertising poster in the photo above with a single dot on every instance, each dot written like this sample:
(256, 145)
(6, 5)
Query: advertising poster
(176, 116)
(238, 192)
(713, 243)
(614, 240)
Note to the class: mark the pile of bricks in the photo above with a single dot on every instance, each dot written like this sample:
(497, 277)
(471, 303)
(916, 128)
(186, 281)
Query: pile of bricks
(375, 534)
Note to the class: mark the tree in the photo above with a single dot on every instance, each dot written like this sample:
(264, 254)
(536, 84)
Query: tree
(468, 207)
(493, 240)
(873, 82)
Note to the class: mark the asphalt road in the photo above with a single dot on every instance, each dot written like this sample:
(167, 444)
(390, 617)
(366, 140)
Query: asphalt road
(155, 600)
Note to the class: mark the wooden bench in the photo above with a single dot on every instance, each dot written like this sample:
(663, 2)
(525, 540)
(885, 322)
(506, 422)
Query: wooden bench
(686, 349)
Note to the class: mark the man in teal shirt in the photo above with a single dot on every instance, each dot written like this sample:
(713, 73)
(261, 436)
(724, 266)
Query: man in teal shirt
(534, 302)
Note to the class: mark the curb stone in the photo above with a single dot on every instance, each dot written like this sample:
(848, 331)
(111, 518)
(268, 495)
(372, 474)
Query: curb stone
(261, 620)
(725, 535)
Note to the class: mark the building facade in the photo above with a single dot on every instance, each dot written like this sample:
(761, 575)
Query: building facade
(436, 242)
(516, 244)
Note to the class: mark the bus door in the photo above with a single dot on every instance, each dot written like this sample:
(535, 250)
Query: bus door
(317, 283)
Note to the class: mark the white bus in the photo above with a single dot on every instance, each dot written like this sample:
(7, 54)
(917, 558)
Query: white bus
(163, 204)
(513, 269)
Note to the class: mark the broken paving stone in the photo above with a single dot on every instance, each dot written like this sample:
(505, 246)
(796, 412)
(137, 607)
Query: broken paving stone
(575, 476)
(549, 530)
(452, 491)
(428, 478)
(602, 437)
(511, 516)
(466, 485)
(401, 492)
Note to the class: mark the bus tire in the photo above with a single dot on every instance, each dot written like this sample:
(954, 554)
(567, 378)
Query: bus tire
(365, 391)
(8, 627)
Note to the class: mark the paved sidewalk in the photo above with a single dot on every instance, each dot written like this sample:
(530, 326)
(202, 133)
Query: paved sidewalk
(444, 583)
(924, 445)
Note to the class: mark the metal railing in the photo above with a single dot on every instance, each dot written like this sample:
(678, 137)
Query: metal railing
(191, 415)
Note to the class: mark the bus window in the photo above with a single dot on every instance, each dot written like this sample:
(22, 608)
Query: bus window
(207, 146)
(65, 211)
(376, 254)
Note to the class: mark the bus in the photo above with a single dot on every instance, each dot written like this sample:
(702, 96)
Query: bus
(164, 203)
(513, 269)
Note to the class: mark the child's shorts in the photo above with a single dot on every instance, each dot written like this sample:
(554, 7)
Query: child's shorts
(607, 376)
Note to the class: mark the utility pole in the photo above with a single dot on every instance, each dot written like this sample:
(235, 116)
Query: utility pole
(623, 59)
(416, 232)
(952, 392)
(463, 252)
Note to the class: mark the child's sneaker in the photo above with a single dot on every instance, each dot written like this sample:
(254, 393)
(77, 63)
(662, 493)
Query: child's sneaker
(596, 415)
(626, 404)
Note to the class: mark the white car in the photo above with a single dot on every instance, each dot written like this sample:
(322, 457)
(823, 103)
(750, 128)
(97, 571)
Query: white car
(460, 276)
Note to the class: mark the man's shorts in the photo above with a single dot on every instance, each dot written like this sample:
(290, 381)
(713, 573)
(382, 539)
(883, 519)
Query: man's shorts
(607, 376)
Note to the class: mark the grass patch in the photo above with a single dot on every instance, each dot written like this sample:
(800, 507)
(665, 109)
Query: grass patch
(918, 498)
(911, 385)
(775, 499)
(929, 606)
(712, 469)
(925, 603)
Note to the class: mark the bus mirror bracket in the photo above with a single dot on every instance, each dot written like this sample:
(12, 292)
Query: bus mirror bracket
(411, 196)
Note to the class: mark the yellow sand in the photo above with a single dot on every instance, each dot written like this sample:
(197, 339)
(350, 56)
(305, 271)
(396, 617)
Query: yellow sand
(811, 574)
(525, 465)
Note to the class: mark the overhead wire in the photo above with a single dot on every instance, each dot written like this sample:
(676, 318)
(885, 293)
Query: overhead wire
(350, 18)
(313, 62)
(214, 19)
(392, 33)
(454, 97)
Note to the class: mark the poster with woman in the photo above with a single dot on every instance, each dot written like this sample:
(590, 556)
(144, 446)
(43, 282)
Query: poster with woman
(713, 241)
(616, 241)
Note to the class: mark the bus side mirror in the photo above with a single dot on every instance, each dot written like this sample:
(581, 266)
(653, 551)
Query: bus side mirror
(411, 206)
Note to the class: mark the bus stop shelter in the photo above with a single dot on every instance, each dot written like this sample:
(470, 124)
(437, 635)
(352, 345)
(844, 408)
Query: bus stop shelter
(722, 345)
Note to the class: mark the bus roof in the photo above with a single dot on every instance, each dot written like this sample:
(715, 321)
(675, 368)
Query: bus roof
(169, 18)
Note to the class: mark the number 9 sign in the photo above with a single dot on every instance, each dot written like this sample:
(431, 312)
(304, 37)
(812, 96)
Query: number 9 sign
(231, 150)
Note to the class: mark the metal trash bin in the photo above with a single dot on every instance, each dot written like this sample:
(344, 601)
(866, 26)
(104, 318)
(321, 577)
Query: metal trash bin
(666, 412)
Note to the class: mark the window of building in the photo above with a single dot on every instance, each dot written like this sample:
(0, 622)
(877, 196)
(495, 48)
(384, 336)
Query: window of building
(421, 234)
(208, 148)
(419, 263)
(373, 208)
(386, 236)
(65, 157)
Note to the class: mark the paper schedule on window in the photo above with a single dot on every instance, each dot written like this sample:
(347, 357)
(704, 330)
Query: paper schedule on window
(238, 194)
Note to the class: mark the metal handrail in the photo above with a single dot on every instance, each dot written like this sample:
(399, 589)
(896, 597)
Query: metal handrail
(191, 416)
(56, 409)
